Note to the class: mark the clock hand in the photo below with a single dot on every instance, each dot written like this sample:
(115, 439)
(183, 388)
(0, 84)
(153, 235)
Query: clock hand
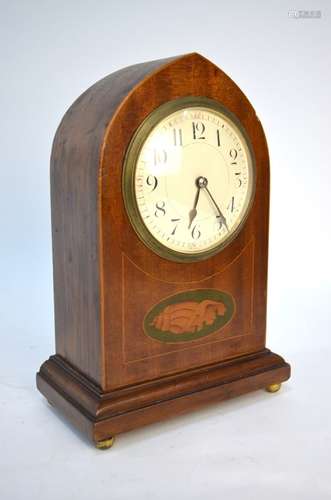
(200, 182)
(193, 212)
(223, 219)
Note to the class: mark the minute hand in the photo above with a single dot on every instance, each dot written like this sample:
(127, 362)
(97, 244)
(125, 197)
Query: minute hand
(223, 219)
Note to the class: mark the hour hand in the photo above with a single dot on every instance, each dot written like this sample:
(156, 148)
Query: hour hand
(193, 212)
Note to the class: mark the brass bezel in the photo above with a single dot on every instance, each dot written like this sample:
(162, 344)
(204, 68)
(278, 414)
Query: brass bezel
(129, 167)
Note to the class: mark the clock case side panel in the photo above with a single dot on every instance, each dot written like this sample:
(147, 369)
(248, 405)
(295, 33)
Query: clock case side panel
(75, 181)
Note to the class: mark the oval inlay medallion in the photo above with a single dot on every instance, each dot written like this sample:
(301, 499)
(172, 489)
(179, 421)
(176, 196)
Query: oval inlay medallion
(189, 315)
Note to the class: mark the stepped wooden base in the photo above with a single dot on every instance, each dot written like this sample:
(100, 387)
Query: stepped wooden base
(101, 416)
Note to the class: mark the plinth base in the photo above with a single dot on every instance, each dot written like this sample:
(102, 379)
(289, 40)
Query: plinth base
(103, 415)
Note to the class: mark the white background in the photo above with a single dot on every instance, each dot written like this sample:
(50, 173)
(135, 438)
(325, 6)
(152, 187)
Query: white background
(255, 447)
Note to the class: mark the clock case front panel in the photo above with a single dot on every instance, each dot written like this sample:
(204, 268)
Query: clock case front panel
(143, 279)
(106, 280)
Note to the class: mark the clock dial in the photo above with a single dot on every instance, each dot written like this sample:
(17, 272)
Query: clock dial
(193, 181)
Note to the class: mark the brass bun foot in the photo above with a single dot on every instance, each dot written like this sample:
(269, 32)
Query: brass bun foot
(105, 444)
(273, 387)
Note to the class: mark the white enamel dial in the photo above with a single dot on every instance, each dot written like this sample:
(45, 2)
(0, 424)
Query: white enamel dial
(193, 180)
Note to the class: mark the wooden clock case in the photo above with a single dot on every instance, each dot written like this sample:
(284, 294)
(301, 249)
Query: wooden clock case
(108, 376)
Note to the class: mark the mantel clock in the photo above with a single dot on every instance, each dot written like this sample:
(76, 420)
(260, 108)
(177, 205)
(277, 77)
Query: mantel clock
(160, 200)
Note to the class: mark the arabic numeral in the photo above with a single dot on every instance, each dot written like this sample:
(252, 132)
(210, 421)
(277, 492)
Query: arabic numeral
(218, 138)
(219, 222)
(176, 225)
(231, 205)
(178, 137)
(239, 181)
(196, 233)
(160, 209)
(198, 130)
(233, 155)
(152, 182)
(160, 156)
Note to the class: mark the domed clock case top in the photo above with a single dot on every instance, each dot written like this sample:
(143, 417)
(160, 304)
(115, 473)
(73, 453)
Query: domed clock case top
(160, 207)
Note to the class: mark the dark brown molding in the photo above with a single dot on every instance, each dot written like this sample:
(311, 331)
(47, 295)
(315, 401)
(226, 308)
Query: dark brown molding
(223, 380)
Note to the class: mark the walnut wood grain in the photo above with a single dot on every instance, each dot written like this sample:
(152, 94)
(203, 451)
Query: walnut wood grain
(108, 375)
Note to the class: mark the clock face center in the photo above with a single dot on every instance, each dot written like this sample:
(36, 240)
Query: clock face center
(201, 182)
(197, 165)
